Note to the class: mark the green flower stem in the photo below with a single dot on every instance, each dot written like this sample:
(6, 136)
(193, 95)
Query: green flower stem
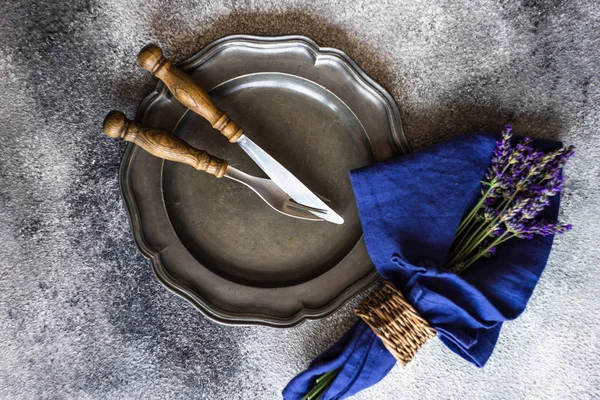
(473, 213)
(474, 210)
(471, 244)
(465, 249)
(321, 385)
(482, 233)
(459, 240)
(475, 243)
(475, 238)
(481, 253)
(500, 239)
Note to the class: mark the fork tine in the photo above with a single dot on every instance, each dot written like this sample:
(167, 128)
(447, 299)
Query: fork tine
(325, 199)
(293, 203)
(291, 211)
(276, 198)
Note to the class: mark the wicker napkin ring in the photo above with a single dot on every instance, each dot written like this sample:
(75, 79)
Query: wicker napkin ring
(402, 330)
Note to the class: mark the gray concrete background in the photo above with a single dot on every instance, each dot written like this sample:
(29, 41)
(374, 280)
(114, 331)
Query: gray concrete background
(82, 317)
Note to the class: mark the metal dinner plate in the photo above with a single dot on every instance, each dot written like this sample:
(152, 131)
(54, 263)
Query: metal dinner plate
(213, 241)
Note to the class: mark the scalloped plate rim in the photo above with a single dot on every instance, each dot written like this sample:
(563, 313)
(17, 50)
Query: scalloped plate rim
(205, 307)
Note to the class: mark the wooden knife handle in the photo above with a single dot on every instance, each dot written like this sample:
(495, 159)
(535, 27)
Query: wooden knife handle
(187, 91)
(162, 144)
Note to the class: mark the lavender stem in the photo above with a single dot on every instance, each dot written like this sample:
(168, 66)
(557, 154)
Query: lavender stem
(468, 262)
(473, 212)
(482, 233)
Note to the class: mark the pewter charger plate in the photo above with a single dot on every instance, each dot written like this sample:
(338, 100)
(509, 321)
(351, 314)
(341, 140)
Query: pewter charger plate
(213, 241)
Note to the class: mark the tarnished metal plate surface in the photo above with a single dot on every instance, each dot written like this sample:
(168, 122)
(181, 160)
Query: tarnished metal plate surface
(215, 242)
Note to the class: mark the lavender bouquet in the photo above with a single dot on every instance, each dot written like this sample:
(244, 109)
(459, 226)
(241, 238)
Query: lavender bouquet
(518, 186)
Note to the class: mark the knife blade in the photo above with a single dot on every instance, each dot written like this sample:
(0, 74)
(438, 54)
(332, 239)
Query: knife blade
(287, 181)
(191, 95)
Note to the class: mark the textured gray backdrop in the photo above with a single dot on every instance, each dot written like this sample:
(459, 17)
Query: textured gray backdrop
(81, 316)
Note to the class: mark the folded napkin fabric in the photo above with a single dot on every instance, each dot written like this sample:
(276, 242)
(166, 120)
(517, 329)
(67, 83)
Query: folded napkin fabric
(410, 208)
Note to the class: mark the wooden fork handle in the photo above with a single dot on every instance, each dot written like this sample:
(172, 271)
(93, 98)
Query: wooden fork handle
(162, 144)
(187, 91)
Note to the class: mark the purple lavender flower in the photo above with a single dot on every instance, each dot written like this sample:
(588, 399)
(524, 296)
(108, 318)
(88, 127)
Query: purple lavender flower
(527, 228)
(513, 212)
(549, 180)
(522, 229)
(489, 201)
(534, 207)
(545, 228)
(520, 182)
(487, 252)
(500, 155)
(550, 188)
(525, 159)
(490, 252)
(497, 230)
(520, 161)
(490, 213)
(554, 167)
(553, 161)
(521, 151)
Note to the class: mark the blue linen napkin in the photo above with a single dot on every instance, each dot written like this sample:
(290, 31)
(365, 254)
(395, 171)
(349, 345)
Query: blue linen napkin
(410, 208)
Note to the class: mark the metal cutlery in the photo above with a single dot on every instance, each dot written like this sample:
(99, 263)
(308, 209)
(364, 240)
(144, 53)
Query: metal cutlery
(170, 147)
(191, 95)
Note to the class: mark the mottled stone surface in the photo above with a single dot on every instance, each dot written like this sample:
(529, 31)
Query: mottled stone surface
(81, 315)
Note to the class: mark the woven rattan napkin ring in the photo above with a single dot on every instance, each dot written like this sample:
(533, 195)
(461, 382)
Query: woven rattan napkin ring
(400, 327)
